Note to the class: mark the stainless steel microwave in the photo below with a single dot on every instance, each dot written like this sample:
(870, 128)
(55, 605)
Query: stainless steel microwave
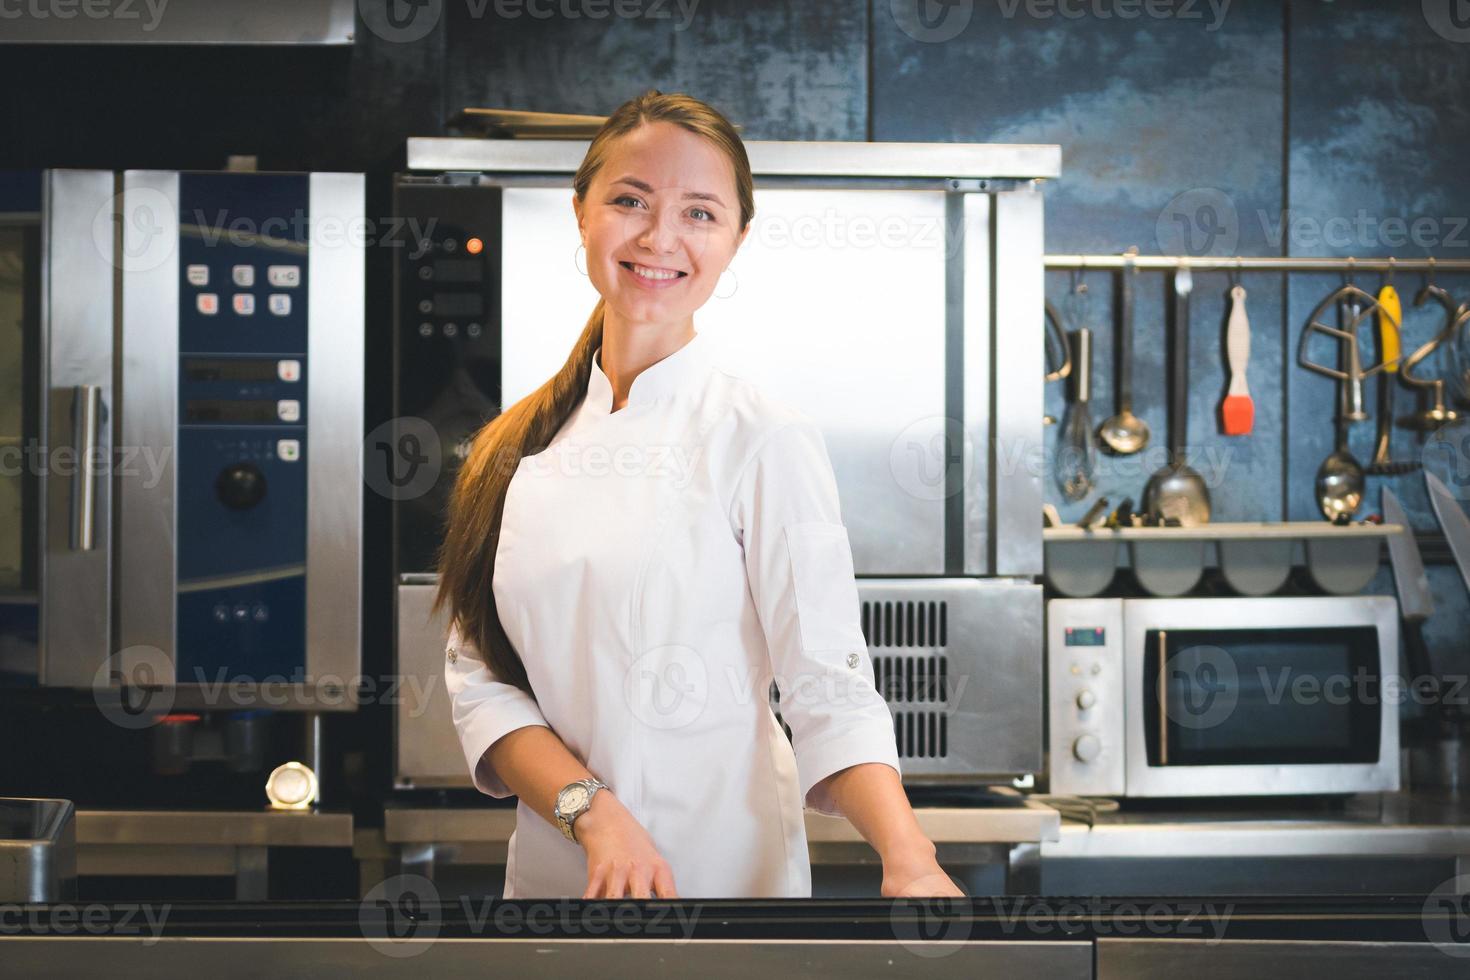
(1222, 697)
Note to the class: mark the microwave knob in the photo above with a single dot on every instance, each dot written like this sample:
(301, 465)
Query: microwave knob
(1086, 699)
(1086, 748)
(241, 486)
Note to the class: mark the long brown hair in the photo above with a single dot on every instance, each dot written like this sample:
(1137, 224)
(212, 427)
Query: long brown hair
(466, 560)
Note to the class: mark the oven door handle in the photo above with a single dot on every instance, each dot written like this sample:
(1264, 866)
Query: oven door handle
(1163, 696)
(86, 412)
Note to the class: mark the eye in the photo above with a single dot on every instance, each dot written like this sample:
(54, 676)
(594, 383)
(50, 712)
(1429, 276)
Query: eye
(626, 197)
(708, 216)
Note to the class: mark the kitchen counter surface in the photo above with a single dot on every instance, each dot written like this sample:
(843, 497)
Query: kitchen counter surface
(1410, 823)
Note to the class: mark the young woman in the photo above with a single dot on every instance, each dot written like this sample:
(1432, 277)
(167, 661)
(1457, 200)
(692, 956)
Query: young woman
(662, 540)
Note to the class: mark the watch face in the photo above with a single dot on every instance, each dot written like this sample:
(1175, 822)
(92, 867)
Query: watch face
(574, 798)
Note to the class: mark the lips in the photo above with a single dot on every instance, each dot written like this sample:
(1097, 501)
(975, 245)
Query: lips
(653, 274)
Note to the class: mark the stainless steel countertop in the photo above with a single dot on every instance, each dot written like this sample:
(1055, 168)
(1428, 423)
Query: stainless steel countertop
(1420, 823)
(215, 828)
(1021, 820)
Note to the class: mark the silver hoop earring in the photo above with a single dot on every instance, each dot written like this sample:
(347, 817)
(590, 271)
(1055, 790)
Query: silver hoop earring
(731, 273)
(581, 266)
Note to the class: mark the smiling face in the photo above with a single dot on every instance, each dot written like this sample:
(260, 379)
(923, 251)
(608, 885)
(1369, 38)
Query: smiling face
(660, 222)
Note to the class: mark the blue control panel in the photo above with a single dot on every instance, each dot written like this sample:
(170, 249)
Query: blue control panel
(242, 410)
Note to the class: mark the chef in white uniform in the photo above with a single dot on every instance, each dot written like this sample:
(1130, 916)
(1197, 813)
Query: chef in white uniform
(676, 548)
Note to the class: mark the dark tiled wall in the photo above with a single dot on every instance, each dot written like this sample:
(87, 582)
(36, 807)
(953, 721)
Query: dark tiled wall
(1249, 127)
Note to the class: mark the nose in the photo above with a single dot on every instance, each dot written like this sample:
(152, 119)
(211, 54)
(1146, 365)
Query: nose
(660, 234)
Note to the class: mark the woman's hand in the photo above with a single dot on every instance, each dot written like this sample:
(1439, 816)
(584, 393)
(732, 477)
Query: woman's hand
(917, 874)
(622, 861)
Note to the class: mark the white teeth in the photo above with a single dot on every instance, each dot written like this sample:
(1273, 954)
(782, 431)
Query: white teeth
(648, 273)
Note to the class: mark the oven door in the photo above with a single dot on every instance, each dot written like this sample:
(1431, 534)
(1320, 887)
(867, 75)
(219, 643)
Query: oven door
(56, 355)
(1261, 696)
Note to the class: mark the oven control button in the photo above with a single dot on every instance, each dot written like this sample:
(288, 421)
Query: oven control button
(1086, 699)
(1086, 748)
(243, 276)
(207, 303)
(283, 276)
(198, 275)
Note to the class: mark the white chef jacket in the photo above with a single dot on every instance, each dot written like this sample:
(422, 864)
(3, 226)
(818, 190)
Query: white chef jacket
(657, 567)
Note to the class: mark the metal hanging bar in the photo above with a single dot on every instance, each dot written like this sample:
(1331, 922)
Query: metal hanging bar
(1258, 263)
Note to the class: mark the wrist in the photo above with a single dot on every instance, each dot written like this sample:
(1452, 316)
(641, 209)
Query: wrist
(911, 851)
(596, 817)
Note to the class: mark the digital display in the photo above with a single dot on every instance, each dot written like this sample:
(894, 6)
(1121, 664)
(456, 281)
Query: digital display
(459, 304)
(229, 411)
(252, 370)
(459, 270)
(1088, 636)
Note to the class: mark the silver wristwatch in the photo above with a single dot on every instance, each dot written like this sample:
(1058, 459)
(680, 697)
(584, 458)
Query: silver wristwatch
(574, 800)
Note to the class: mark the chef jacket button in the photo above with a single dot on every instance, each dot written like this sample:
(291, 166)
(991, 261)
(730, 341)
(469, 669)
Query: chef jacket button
(852, 660)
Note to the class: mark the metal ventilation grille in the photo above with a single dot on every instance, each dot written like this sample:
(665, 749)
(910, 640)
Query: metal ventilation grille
(915, 685)
(906, 624)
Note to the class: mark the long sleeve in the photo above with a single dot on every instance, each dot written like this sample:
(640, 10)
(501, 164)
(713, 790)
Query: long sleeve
(484, 708)
(786, 512)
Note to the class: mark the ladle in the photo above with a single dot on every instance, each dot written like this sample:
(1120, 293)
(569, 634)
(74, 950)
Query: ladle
(1340, 478)
(1177, 491)
(1125, 433)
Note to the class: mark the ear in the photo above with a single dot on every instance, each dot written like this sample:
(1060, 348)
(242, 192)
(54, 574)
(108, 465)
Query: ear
(741, 240)
(577, 209)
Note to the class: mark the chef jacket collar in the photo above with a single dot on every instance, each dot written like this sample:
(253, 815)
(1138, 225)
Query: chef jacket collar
(684, 369)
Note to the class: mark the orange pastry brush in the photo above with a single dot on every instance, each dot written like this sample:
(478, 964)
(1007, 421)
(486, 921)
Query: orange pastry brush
(1238, 411)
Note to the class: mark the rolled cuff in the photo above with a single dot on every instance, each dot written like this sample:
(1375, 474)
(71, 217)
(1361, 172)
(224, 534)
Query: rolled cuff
(838, 751)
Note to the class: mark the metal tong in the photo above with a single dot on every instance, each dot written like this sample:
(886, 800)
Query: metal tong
(1352, 372)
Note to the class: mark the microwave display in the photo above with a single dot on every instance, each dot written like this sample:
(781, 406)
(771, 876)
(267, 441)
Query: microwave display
(1283, 696)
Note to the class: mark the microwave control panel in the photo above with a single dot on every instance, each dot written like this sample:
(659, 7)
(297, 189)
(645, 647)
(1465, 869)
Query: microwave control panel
(1085, 697)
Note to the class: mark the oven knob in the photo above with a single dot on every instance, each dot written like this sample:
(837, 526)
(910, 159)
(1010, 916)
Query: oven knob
(1086, 699)
(1086, 748)
(240, 485)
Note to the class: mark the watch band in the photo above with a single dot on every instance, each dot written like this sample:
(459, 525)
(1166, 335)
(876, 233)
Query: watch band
(566, 816)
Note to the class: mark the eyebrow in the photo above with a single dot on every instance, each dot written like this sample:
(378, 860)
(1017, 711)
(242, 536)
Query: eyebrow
(688, 195)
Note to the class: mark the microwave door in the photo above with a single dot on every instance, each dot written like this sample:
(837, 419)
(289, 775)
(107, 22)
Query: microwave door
(1296, 701)
(74, 370)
